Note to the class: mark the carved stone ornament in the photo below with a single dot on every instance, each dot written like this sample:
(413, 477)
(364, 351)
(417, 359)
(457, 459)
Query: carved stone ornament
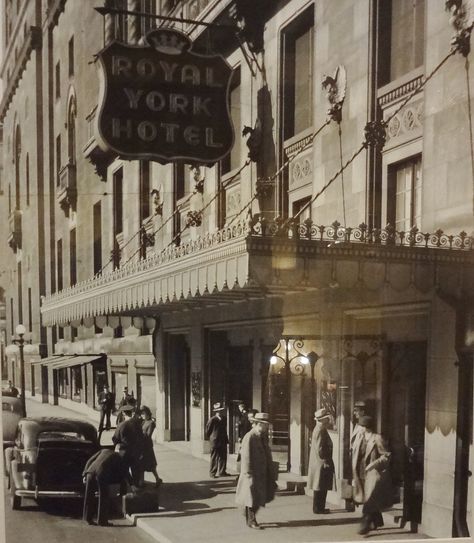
(157, 203)
(335, 87)
(461, 41)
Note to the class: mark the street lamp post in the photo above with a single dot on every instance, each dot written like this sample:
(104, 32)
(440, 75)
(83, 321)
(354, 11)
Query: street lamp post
(297, 369)
(20, 332)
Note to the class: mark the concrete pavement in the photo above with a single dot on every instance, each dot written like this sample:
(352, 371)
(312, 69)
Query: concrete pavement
(195, 507)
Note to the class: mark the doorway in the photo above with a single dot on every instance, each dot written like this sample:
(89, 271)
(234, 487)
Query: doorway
(179, 388)
(404, 422)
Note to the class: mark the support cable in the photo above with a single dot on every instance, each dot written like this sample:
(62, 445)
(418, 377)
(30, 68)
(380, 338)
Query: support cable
(342, 176)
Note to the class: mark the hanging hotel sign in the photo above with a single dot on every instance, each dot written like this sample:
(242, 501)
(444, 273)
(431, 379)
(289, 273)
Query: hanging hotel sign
(164, 102)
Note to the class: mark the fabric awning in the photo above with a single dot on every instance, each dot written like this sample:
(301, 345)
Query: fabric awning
(75, 360)
(51, 359)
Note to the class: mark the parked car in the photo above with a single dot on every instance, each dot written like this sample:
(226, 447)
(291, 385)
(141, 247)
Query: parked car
(48, 457)
(11, 414)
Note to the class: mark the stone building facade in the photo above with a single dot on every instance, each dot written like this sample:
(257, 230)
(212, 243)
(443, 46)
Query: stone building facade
(327, 259)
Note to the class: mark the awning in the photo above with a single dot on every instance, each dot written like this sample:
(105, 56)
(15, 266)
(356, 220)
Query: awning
(75, 360)
(65, 361)
(51, 359)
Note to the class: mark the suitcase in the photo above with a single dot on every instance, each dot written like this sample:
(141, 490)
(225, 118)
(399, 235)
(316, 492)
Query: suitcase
(143, 501)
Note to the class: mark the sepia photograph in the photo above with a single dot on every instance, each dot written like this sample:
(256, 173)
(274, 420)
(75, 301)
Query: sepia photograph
(236, 271)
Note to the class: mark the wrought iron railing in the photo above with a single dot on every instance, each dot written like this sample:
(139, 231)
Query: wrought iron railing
(288, 230)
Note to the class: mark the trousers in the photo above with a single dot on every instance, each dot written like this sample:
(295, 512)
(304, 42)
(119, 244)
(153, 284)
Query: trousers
(218, 460)
(319, 500)
(94, 484)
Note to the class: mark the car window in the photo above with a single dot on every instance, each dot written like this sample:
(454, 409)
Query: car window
(7, 407)
(66, 436)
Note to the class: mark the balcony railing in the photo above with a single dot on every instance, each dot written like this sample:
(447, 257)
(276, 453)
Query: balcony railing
(231, 263)
(67, 190)
(14, 230)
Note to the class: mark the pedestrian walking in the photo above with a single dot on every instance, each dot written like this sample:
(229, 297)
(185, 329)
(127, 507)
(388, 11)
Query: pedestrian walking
(216, 432)
(107, 403)
(257, 481)
(321, 465)
(243, 424)
(126, 399)
(371, 476)
(103, 469)
(128, 439)
(149, 459)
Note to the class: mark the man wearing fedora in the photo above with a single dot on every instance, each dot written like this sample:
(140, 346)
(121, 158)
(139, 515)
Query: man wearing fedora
(372, 480)
(129, 441)
(321, 465)
(216, 432)
(256, 485)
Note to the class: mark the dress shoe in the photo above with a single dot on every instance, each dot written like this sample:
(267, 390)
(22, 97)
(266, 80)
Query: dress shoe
(213, 476)
(321, 511)
(254, 524)
(224, 474)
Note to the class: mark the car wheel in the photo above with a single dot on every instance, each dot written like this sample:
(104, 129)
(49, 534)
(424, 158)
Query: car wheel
(14, 499)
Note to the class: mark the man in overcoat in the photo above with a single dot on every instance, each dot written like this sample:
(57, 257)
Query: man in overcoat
(321, 465)
(371, 482)
(103, 469)
(129, 442)
(216, 432)
(256, 485)
(107, 403)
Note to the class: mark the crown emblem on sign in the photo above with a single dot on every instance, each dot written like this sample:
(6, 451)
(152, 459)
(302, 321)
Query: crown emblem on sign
(168, 41)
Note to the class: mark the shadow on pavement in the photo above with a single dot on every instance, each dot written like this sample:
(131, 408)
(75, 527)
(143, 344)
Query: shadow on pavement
(310, 522)
(194, 511)
(176, 496)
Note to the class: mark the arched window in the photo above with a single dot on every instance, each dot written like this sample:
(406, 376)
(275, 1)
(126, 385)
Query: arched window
(71, 132)
(17, 166)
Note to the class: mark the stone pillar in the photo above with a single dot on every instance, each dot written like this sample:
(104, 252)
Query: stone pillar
(159, 353)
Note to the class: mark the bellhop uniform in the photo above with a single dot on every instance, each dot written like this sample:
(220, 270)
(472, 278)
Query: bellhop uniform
(216, 432)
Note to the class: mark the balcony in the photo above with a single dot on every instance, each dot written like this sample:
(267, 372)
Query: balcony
(66, 193)
(14, 230)
(259, 258)
(99, 158)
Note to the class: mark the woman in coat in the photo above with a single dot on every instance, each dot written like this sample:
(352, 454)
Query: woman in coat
(321, 465)
(149, 459)
(371, 476)
(256, 485)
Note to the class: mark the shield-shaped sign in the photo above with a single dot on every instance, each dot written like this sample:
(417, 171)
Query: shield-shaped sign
(164, 102)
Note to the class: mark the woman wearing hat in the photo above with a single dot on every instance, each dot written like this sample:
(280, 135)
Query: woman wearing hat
(321, 465)
(371, 476)
(256, 485)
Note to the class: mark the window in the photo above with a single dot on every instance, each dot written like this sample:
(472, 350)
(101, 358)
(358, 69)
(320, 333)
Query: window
(302, 204)
(17, 166)
(27, 180)
(147, 23)
(179, 189)
(71, 56)
(71, 133)
(404, 185)
(20, 293)
(297, 98)
(58, 157)
(72, 258)
(58, 80)
(144, 190)
(401, 38)
(97, 237)
(30, 311)
(76, 382)
(232, 160)
(59, 253)
(117, 214)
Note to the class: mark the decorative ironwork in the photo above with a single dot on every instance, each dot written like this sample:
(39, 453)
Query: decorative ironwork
(375, 134)
(335, 87)
(193, 218)
(196, 388)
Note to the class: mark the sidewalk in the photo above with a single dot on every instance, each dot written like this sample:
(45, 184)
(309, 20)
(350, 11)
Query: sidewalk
(195, 507)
